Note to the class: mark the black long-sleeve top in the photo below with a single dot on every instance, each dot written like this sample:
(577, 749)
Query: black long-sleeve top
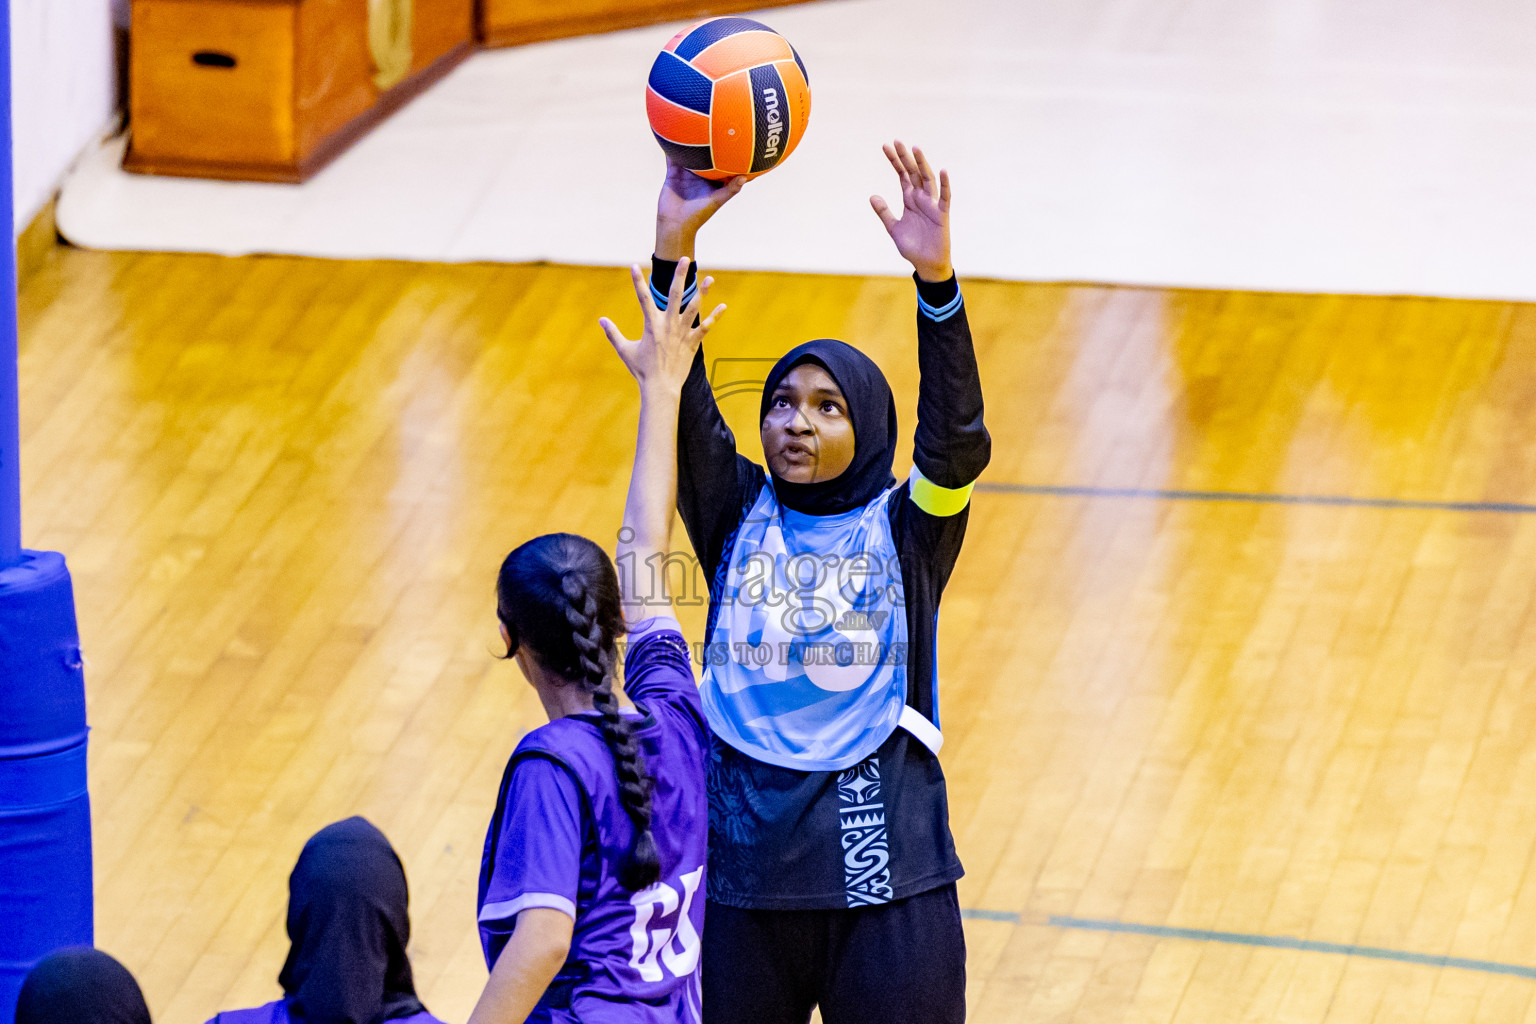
(781, 838)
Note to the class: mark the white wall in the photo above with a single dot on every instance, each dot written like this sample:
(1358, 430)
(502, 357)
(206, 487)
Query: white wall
(63, 90)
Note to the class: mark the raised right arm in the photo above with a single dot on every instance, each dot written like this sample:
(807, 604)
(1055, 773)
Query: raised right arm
(659, 360)
(714, 481)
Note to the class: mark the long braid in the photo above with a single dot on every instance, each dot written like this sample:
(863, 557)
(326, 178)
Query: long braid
(642, 866)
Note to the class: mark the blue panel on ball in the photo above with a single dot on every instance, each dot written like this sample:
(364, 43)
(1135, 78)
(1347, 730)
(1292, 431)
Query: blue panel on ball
(681, 83)
(803, 73)
(711, 32)
(694, 158)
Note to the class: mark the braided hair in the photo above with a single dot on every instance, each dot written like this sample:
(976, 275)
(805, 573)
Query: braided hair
(559, 595)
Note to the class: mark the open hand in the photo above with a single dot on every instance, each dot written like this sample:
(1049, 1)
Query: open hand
(663, 355)
(686, 202)
(921, 233)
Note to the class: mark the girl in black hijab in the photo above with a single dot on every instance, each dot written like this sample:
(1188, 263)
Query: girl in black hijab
(872, 414)
(832, 870)
(348, 924)
(80, 985)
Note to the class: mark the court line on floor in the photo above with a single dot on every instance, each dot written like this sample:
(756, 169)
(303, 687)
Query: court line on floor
(991, 915)
(1255, 498)
(1266, 941)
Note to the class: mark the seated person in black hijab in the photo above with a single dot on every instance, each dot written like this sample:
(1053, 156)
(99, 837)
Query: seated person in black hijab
(80, 985)
(348, 924)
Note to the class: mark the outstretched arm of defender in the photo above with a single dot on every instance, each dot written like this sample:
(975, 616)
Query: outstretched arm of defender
(659, 362)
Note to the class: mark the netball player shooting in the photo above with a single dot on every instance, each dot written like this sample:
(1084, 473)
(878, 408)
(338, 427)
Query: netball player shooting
(831, 867)
(590, 906)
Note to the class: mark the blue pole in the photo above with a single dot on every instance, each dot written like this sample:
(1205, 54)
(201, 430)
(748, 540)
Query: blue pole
(45, 811)
(10, 428)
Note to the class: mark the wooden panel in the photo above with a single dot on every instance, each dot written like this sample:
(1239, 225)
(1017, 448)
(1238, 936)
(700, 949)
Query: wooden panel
(438, 27)
(301, 65)
(335, 70)
(511, 22)
(284, 487)
(182, 110)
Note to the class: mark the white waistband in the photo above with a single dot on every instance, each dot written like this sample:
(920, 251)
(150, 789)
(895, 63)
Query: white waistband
(918, 725)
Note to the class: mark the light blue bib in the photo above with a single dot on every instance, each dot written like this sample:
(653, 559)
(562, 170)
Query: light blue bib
(809, 649)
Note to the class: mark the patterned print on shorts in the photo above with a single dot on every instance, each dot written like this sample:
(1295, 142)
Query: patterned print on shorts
(866, 848)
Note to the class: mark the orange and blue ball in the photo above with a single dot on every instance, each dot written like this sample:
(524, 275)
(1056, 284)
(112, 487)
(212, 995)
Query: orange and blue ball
(728, 96)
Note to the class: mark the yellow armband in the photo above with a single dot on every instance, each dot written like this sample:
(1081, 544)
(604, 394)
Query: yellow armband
(941, 502)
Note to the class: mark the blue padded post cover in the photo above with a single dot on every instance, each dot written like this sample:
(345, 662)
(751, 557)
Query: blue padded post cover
(45, 812)
(10, 416)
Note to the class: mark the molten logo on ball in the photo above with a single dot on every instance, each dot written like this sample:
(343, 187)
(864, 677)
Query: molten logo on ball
(775, 123)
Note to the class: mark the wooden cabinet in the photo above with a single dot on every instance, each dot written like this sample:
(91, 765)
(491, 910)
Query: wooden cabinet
(510, 22)
(269, 90)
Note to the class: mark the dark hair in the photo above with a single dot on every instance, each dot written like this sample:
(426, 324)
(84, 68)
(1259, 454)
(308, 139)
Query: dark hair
(559, 595)
(80, 985)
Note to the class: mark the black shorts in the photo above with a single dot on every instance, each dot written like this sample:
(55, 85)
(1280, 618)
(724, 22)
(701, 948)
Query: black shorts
(897, 963)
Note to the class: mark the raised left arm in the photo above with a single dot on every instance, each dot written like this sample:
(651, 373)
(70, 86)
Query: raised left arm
(952, 446)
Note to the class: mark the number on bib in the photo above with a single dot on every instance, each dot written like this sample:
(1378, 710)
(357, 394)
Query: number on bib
(673, 940)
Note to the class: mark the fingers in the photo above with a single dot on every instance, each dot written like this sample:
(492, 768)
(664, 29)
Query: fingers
(725, 193)
(899, 167)
(930, 181)
(883, 212)
(943, 191)
(642, 289)
(688, 312)
(709, 321)
(914, 173)
(679, 282)
(615, 336)
(642, 294)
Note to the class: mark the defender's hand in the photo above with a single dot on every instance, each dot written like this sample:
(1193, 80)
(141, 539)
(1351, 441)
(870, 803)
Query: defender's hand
(663, 355)
(921, 233)
(686, 203)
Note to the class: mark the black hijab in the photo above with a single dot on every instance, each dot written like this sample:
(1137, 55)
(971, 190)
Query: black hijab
(873, 412)
(348, 920)
(80, 986)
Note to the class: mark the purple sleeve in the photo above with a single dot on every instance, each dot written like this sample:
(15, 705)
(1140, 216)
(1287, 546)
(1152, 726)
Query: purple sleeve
(657, 666)
(275, 1012)
(538, 856)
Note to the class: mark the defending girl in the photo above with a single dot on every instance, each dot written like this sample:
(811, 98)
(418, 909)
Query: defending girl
(590, 906)
(831, 867)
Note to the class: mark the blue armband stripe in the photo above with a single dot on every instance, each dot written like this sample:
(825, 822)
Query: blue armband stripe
(661, 296)
(941, 313)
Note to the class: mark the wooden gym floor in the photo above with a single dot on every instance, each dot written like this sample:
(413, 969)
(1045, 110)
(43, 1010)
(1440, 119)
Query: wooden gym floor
(284, 487)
